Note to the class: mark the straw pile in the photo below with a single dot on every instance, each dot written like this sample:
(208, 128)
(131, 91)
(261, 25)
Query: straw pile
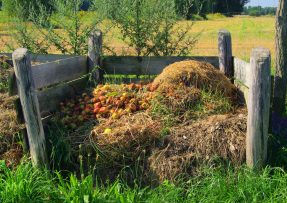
(190, 145)
(200, 75)
(124, 140)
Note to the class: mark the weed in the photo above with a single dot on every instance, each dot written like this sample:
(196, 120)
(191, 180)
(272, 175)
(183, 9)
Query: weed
(26, 184)
(59, 148)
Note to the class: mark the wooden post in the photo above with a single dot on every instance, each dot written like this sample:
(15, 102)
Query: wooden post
(30, 106)
(258, 108)
(225, 53)
(94, 54)
(280, 83)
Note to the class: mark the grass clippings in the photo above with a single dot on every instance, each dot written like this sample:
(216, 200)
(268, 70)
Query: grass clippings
(195, 74)
(195, 143)
(124, 140)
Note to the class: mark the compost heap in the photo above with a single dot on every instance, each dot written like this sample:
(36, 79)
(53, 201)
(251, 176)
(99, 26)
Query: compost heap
(10, 150)
(170, 148)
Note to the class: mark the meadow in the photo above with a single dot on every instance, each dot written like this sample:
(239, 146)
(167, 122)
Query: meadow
(247, 33)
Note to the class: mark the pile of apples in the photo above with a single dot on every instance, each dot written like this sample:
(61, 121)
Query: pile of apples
(106, 102)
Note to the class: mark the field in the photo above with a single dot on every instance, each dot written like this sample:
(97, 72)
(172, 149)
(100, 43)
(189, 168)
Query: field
(247, 33)
(218, 180)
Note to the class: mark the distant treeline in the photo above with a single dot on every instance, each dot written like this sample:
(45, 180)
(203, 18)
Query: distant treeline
(203, 7)
(259, 11)
(184, 8)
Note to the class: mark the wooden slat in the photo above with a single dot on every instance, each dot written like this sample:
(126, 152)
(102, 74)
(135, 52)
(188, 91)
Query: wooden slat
(12, 84)
(43, 58)
(59, 71)
(50, 98)
(54, 72)
(225, 53)
(129, 65)
(241, 71)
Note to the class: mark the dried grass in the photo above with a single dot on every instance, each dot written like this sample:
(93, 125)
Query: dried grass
(190, 145)
(128, 138)
(8, 117)
(200, 75)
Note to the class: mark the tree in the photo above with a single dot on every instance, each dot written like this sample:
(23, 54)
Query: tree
(149, 26)
(280, 84)
(23, 8)
(202, 7)
(230, 7)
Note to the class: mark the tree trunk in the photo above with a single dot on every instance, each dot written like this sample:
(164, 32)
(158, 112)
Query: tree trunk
(280, 83)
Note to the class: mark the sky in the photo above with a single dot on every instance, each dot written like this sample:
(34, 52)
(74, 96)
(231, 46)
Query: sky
(263, 3)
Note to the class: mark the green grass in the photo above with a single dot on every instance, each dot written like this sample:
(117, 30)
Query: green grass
(27, 184)
(4, 18)
(208, 103)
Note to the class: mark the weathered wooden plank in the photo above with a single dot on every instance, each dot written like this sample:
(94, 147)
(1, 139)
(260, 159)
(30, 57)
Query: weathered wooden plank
(12, 84)
(132, 65)
(30, 106)
(241, 71)
(225, 53)
(258, 108)
(54, 72)
(19, 111)
(94, 55)
(59, 71)
(44, 58)
(49, 99)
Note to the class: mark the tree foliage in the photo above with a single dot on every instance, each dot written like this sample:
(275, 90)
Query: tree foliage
(259, 11)
(23, 8)
(149, 26)
(61, 28)
(202, 7)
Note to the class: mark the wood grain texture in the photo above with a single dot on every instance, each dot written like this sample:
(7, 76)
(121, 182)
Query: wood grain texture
(241, 77)
(49, 99)
(44, 58)
(54, 72)
(95, 45)
(241, 71)
(225, 53)
(258, 108)
(30, 106)
(280, 82)
(132, 65)
(59, 71)
(12, 84)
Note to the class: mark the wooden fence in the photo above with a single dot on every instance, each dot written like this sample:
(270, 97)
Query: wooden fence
(54, 78)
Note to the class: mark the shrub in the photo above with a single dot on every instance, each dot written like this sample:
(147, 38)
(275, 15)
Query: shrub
(149, 26)
(67, 29)
(64, 30)
(23, 8)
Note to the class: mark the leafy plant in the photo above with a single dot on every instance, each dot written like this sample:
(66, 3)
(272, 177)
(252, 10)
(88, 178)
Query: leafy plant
(62, 27)
(66, 29)
(149, 26)
(23, 8)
